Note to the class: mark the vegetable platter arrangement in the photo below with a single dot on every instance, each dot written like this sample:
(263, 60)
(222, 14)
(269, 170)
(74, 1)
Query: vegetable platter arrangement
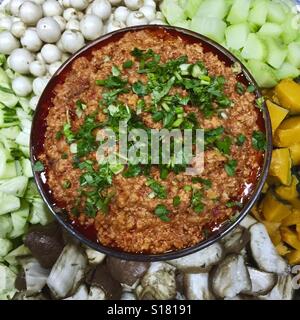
(36, 257)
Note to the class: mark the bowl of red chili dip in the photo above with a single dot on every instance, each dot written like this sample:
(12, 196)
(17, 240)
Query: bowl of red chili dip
(150, 78)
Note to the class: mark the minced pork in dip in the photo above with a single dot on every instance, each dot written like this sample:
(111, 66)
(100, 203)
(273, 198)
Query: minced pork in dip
(152, 79)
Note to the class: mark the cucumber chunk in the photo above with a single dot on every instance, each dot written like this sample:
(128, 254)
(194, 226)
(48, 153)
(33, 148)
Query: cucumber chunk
(15, 186)
(172, 11)
(237, 35)
(3, 158)
(5, 225)
(211, 27)
(19, 220)
(264, 74)
(239, 11)
(293, 56)
(3, 77)
(19, 252)
(287, 70)
(10, 170)
(290, 32)
(254, 48)
(276, 53)
(258, 14)
(276, 12)
(26, 168)
(212, 9)
(7, 283)
(5, 246)
(23, 139)
(8, 203)
(270, 29)
(191, 7)
(8, 99)
(39, 213)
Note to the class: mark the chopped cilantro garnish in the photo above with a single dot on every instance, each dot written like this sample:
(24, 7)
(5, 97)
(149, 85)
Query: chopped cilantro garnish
(206, 182)
(158, 189)
(230, 167)
(224, 145)
(38, 166)
(139, 88)
(133, 171)
(258, 140)
(239, 88)
(240, 140)
(232, 204)
(162, 212)
(176, 201)
(127, 64)
(196, 201)
(260, 102)
(251, 88)
(66, 184)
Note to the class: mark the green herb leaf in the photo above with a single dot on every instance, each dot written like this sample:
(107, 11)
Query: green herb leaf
(240, 140)
(38, 166)
(239, 88)
(159, 190)
(162, 212)
(196, 201)
(139, 88)
(206, 182)
(230, 167)
(232, 204)
(66, 184)
(224, 145)
(251, 88)
(176, 201)
(115, 71)
(127, 64)
(259, 140)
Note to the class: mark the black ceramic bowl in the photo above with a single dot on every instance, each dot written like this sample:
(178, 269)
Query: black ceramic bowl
(38, 131)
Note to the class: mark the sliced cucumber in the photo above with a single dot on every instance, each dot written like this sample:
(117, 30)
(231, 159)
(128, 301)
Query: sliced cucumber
(239, 11)
(10, 170)
(264, 75)
(237, 35)
(289, 33)
(7, 282)
(5, 225)
(276, 53)
(26, 168)
(5, 246)
(211, 27)
(254, 48)
(26, 125)
(3, 158)
(15, 186)
(8, 99)
(287, 70)
(25, 150)
(10, 133)
(182, 24)
(19, 220)
(8, 203)
(23, 139)
(212, 9)
(24, 102)
(293, 56)
(276, 12)
(39, 213)
(19, 252)
(191, 7)
(270, 29)
(21, 114)
(258, 13)
(172, 11)
(3, 77)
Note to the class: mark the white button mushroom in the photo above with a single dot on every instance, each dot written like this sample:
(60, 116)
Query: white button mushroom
(72, 41)
(19, 60)
(79, 4)
(60, 46)
(73, 24)
(53, 67)
(135, 19)
(52, 8)
(33, 102)
(48, 30)
(61, 21)
(102, 9)
(37, 68)
(15, 6)
(30, 13)
(121, 13)
(31, 41)
(8, 42)
(40, 2)
(70, 13)
(160, 16)
(91, 27)
(150, 3)
(89, 9)
(39, 85)
(66, 3)
(51, 53)
(40, 58)
(149, 12)
(114, 25)
(6, 23)
(18, 29)
(22, 86)
(133, 4)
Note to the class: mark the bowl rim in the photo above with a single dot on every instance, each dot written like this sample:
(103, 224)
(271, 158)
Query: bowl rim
(224, 229)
